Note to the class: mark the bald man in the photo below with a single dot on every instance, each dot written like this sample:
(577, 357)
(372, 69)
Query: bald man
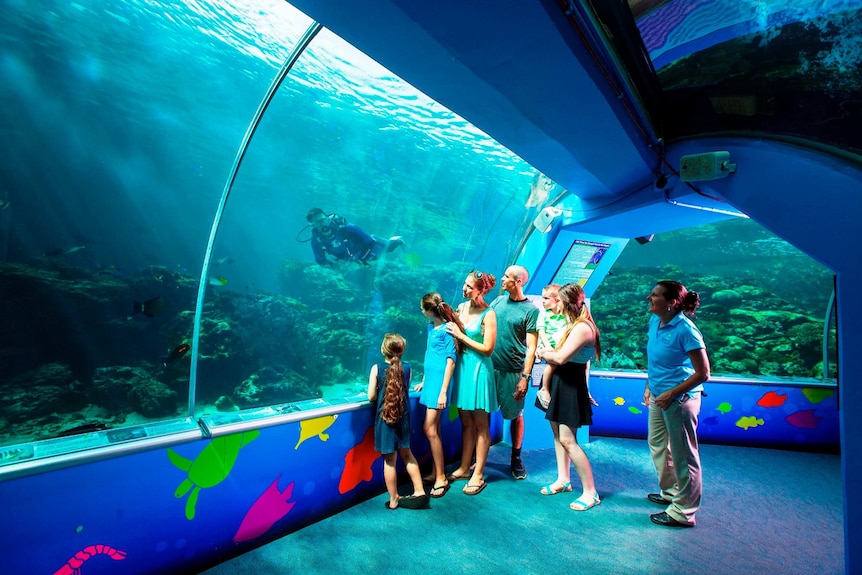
(514, 352)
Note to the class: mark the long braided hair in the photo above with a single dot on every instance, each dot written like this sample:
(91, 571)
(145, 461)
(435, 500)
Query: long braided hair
(393, 399)
(434, 303)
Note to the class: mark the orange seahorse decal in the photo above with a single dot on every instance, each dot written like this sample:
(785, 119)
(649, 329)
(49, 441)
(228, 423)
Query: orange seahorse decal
(73, 565)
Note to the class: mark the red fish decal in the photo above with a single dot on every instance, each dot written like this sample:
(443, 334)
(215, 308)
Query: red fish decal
(772, 399)
(269, 508)
(357, 463)
(805, 418)
(73, 565)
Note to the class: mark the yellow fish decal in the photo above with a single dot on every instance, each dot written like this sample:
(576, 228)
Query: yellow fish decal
(315, 428)
(748, 422)
(817, 395)
(619, 401)
(724, 407)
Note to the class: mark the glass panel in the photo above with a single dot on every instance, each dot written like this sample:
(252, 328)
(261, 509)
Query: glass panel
(763, 302)
(433, 197)
(121, 125)
(787, 67)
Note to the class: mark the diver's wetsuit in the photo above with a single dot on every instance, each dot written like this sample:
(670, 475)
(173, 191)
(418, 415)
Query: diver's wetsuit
(348, 242)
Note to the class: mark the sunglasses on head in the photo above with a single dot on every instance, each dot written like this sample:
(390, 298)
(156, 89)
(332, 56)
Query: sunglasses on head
(477, 274)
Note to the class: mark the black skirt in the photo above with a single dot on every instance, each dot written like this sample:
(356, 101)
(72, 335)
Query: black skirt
(570, 398)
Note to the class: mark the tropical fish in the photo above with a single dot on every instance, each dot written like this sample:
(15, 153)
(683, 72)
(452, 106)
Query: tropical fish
(772, 399)
(177, 353)
(150, 308)
(358, 462)
(271, 506)
(217, 281)
(85, 428)
(748, 422)
(817, 395)
(413, 259)
(724, 407)
(316, 427)
(73, 565)
(210, 467)
(11, 454)
(63, 251)
(619, 401)
(804, 418)
(634, 410)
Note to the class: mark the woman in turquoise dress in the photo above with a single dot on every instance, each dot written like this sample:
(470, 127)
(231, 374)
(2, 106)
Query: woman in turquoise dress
(435, 389)
(475, 393)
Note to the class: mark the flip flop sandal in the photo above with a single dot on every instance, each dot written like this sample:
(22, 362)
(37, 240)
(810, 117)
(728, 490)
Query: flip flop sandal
(439, 491)
(475, 489)
(452, 477)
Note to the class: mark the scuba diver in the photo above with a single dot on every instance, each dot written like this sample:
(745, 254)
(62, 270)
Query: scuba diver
(332, 236)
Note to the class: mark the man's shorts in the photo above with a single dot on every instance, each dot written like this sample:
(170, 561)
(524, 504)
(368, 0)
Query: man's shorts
(506, 383)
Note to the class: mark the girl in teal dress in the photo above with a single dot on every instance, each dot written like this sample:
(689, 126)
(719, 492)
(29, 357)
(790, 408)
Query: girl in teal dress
(475, 392)
(440, 357)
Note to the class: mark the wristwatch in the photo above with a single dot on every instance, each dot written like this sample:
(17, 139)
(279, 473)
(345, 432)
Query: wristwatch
(527, 376)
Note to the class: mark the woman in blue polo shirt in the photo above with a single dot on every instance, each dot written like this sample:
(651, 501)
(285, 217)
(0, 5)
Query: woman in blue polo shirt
(677, 367)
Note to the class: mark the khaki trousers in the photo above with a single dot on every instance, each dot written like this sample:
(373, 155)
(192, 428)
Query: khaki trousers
(672, 440)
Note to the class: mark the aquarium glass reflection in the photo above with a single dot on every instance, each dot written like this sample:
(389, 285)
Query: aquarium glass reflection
(783, 67)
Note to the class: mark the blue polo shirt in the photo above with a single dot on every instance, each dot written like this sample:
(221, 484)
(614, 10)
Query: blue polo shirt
(668, 363)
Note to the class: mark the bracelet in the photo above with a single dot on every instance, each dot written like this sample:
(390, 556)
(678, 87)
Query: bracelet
(527, 376)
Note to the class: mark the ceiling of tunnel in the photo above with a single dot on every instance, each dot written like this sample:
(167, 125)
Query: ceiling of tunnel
(587, 108)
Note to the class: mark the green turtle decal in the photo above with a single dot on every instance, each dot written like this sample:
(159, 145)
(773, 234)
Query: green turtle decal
(210, 467)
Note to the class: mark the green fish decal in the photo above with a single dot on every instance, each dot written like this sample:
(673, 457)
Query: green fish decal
(724, 407)
(634, 410)
(210, 467)
(816, 395)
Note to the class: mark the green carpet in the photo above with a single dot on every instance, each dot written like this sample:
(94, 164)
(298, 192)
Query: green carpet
(763, 512)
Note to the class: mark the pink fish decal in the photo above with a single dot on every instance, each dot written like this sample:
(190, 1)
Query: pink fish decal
(357, 463)
(805, 418)
(772, 399)
(269, 508)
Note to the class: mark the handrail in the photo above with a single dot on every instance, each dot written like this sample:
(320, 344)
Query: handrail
(300, 47)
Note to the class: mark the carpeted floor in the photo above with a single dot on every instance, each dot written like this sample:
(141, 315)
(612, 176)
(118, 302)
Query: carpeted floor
(764, 511)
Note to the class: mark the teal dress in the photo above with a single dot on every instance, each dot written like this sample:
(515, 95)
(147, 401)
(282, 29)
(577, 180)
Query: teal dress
(441, 347)
(475, 387)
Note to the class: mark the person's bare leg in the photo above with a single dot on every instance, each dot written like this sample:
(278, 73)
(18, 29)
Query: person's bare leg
(483, 446)
(413, 471)
(580, 461)
(468, 443)
(390, 477)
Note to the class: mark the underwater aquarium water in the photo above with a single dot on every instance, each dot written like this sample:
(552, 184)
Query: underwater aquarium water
(763, 303)
(124, 119)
